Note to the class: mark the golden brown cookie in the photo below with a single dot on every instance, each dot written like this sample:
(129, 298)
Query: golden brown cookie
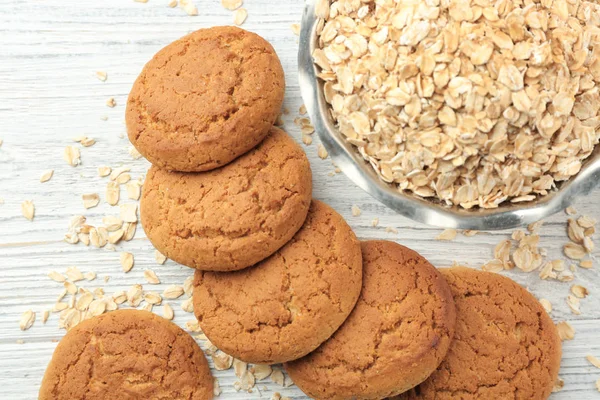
(285, 306)
(232, 217)
(205, 99)
(505, 345)
(127, 354)
(397, 334)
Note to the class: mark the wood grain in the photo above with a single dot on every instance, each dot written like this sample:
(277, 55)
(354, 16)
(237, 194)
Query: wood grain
(49, 94)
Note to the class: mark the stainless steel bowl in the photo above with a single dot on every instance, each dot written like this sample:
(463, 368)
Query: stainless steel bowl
(411, 206)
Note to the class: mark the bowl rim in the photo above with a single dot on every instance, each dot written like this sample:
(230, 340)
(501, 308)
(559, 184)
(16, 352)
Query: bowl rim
(506, 216)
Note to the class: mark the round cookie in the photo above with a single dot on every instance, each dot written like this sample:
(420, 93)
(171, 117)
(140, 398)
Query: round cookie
(205, 99)
(232, 217)
(287, 305)
(127, 354)
(505, 345)
(397, 334)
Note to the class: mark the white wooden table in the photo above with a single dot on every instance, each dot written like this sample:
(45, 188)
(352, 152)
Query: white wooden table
(49, 53)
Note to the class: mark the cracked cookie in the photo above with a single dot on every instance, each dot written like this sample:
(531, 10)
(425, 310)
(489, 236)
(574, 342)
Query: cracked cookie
(205, 99)
(232, 217)
(505, 345)
(127, 354)
(395, 337)
(287, 305)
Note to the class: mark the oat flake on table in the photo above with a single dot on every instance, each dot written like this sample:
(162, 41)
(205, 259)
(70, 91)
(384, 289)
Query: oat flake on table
(468, 102)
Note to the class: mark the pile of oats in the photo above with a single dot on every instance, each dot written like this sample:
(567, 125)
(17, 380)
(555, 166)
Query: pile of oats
(471, 102)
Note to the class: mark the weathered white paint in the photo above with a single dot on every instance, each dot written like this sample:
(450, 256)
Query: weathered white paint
(49, 52)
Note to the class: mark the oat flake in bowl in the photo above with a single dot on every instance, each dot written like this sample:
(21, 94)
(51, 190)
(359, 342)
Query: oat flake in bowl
(471, 102)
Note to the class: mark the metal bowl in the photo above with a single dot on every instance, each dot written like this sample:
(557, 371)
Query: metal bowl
(422, 210)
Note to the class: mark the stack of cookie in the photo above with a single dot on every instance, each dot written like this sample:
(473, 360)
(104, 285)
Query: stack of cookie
(281, 278)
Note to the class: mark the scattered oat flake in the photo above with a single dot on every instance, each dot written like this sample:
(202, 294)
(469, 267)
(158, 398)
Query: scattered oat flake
(261, 371)
(565, 330)
(134, 153)
(47, 175)
(574, 251)
(189, 7)
(111, 102)
(570, 210)
(159, 257)
(45, 316)
(134, 190)
(307, 140)
(598, 385)
(135, 295)
(101, 75)
(447, 234)
(74, 274)
(573, 303)
(322, 152)
(579, 291)
(587, 264)
(216, 387)
(277, 376)
(295, 29)
(173, 292)
(356, 211)
(239, 16)
(90, 200)
(586, 222)
(172, 3)
(27, 320)
(126, 261)
(222, 361)
(375, 222)
(28, 209)
(188, 285)
(493, 266)
(534, 227)
(469, 233)
(558, 385)
(593, 360)
(232, 4)
(188, 305)
(87, 142)
(389, 229)
(72, 156)
(113, 192)
(151, 277)
(104, 171)
(547, 305)
(56, 277)
(129, 212)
